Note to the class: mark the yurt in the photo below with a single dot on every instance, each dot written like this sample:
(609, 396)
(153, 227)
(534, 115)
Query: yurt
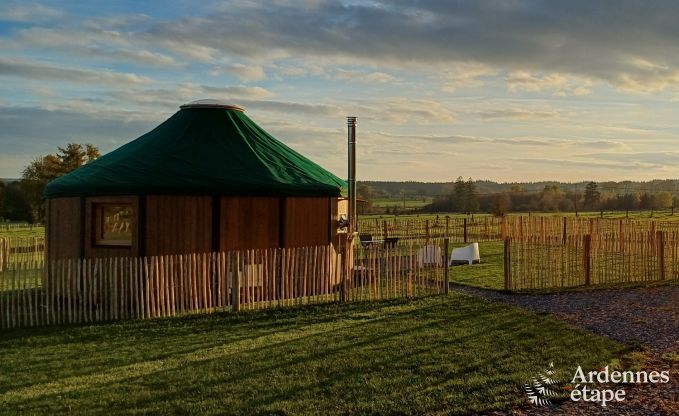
(207, 179)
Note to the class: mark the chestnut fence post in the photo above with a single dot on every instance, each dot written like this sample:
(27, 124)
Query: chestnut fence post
(465, 230)
(586, 258)
(507, 264)
(446, 268)
(660, 241)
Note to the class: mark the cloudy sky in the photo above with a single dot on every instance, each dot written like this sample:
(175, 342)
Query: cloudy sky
(514, 90)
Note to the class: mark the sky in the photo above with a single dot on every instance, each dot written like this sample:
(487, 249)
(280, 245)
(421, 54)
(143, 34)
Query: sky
(513, 90)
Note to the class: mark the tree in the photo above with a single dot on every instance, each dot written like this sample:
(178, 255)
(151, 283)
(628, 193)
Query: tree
(471, 198)
(15, 205)
(549, 199)
(662, 200)
(2, 200)
(41, 170)
(367, 194)
(464, 198)
(592, 196)
(500, 204)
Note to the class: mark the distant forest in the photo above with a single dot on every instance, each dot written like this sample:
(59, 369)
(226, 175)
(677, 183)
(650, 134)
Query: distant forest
(487, 196)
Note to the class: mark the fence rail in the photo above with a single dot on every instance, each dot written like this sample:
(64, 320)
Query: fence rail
(70, 291)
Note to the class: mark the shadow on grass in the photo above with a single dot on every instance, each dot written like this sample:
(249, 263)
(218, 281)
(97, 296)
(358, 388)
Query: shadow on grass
(452, 354)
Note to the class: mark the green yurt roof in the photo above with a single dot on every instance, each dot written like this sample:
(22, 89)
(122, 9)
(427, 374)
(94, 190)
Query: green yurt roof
(206, 148)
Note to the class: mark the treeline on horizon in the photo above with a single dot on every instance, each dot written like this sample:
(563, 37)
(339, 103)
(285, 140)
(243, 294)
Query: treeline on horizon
(415, 189)
(500, 198)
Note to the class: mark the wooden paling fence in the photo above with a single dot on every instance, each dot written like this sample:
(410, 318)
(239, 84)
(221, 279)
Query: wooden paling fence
(486, 228)
(20, 250)
(107, 289)
(458, 230)
(591, 259)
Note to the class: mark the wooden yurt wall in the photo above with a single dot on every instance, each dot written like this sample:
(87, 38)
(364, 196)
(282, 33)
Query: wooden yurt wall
(63, 228)
(178, 224)
(249, 222)
(307, 221)
(184, 224)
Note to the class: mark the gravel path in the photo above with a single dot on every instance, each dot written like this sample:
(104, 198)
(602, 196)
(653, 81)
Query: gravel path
(643, 316)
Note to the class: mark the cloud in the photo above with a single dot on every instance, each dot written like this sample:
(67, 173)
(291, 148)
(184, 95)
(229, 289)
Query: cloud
(559, 84)
(554, 46)
(30, 13)
(397, 110)
(245, 73)
(120, 21)
(518, 114)
(28, 132)
(109, 45)
(362, 76)
(589, 165)
(467, 74)
(31, 69)
(171, 98)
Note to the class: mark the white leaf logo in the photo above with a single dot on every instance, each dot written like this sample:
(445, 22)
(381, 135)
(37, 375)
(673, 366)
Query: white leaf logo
(543, 387)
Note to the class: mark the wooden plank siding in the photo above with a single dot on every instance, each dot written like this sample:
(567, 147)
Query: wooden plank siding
(184, 224)
(63, 228)
(307, 221)
(178, 224)
(249, 223)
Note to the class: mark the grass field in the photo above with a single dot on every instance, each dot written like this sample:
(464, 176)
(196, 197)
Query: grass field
(398, 203)
(24, 232)
(438, 355)
(639, 215)
(488, 274)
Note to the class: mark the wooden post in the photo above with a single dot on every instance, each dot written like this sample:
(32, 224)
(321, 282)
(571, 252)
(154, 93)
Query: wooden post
(426, 225)
(564, 232)
(507, 264)
(587, 248)
(503, 227)
(235, 283)
(464, 224)
(622, 237)
(660, 239)
(344, 267)
(447, 226)
(385, 230)
(446, 268)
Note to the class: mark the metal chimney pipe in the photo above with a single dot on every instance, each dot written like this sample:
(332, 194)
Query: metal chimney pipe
(351, 124)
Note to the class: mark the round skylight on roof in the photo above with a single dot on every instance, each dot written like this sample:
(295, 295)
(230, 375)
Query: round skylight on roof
(209, 103)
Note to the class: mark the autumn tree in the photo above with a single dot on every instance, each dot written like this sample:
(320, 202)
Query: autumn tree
(43, 169)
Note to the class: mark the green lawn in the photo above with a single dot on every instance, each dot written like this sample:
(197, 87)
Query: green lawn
(438, 355)
(23, 232)
(488, 274)
(665, 215)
